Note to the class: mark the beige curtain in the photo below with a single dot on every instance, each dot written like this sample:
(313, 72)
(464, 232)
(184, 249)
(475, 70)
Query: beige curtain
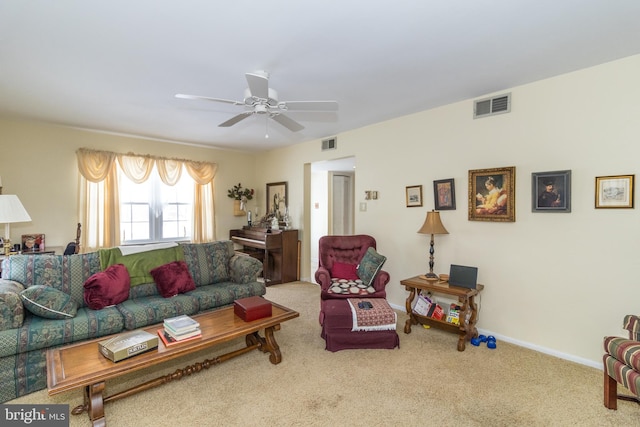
(204, 221)
(99, 203)
(99, 192)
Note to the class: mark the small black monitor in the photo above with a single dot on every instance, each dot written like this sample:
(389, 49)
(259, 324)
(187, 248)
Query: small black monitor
(463, 276)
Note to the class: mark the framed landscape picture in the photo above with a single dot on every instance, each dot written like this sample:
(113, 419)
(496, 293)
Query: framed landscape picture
(444, 193)
(551, 191)
(492, 194)
(414, 196)
(614, 191)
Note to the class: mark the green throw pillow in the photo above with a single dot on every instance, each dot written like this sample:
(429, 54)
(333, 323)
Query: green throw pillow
(370, 265)
(48, 302)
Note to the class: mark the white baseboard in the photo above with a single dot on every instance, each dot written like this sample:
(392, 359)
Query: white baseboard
(530, 346)
(544, 350)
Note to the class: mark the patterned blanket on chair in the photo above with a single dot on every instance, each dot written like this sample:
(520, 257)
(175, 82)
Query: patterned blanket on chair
(380, 317)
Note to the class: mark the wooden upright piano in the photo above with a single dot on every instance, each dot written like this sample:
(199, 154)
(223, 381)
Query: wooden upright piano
(277, 249)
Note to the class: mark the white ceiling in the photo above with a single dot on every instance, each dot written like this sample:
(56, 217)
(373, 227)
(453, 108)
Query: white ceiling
(115, 65)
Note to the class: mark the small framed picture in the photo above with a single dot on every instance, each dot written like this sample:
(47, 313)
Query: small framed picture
(551, 191)
(444, 193)
(32, 242)
(414, 196)
(614, 191)
(492, 194)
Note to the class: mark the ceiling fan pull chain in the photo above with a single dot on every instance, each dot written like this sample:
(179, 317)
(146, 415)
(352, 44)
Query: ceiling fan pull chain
(266, 127)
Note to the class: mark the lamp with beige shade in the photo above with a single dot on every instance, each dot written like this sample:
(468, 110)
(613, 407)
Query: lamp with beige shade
(11, 210)
(432, 225)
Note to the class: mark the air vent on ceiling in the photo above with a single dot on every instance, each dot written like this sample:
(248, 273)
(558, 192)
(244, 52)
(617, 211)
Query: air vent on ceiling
(329, 144)
(491, 106)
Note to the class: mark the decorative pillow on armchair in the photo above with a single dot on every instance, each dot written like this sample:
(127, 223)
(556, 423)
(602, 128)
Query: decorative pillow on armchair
(48, 302)
(369, 266)
(108, 287)
(344, 271)
(173, 279)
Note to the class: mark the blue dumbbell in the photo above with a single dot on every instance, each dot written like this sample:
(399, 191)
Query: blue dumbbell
(491, 342)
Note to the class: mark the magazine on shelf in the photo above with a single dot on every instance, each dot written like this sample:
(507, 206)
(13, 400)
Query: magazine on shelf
(422, 306)
(181, 324)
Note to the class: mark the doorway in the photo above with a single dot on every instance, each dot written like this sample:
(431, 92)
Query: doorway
(341, 203)
(331, 203)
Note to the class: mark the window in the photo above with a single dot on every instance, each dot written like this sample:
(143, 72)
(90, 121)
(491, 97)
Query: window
(153, 211)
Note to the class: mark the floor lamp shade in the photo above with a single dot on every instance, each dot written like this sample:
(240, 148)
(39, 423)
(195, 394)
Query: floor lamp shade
(11, 210)
(432, 225)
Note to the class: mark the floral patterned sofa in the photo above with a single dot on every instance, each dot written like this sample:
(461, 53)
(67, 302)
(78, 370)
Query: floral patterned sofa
(46, 300)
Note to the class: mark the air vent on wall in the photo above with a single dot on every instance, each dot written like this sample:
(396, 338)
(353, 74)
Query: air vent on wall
(491, 106)
(329, 144)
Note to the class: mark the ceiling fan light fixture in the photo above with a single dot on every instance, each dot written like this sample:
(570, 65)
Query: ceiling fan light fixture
(260, 99)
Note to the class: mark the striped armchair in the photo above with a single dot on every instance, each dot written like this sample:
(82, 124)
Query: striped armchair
(622, 364)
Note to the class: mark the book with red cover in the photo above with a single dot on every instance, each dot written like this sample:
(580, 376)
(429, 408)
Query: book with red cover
(168, 340)
(438, 313)
(252, 308)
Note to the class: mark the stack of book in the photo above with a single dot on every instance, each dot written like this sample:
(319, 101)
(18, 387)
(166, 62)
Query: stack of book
(427, 307)
(454, 314)
(179, 329)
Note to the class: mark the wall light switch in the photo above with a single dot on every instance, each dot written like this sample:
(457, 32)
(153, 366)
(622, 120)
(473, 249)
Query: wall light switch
(363, 207)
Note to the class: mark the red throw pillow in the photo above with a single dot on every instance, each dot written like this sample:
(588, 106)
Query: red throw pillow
(108, 287)
(344, 271)
(173, 279)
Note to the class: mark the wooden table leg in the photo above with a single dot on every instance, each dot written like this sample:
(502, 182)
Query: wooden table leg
(271, 345)
(267, 344)
(411, 319)
(93, 404)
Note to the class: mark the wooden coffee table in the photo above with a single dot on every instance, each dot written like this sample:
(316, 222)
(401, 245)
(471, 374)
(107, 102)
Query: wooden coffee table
(82, 365)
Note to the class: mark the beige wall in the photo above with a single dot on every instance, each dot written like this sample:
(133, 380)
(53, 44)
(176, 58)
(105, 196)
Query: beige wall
(556, 282)
(38, 163)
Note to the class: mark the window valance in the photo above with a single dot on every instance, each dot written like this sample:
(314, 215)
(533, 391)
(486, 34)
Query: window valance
(95, 165)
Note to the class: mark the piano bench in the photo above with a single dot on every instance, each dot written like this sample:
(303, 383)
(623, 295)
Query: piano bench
(257, 254)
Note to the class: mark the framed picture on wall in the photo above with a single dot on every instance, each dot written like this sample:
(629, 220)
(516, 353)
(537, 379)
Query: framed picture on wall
(492, 194)
(551, 191)
(414, 196)
(444, 193)
(614, 191)
(277, 198)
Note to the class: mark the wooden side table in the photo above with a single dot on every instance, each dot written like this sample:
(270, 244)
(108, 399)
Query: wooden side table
(468, 311)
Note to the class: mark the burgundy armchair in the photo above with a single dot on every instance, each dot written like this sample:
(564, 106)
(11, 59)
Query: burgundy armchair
(346, 250)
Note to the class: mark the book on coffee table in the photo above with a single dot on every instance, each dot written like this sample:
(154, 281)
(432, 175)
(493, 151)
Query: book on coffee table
(184, 335)
(181, 324)
(168, 340)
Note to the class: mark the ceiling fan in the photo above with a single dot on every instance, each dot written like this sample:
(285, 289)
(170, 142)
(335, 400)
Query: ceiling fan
(260, 99)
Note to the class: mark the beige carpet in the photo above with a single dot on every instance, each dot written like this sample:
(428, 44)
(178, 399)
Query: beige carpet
(425, 382)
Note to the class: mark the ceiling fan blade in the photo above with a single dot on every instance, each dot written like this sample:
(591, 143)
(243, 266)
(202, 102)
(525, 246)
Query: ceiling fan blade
(206, 98)
(235, 119)
(287, 122)
(258, 85)
(311, 105)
